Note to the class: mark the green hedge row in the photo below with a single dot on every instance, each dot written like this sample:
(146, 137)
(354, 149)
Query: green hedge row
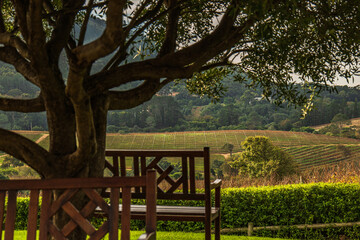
(269, 206)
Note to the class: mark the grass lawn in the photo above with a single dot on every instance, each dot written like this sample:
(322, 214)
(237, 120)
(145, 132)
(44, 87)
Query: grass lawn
(21, 235)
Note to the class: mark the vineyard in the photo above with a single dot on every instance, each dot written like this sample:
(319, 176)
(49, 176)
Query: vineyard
(307, 149)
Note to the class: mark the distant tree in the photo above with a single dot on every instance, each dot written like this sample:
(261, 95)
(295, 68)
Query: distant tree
(261, 158)
(228, 115)
(165, 111)
(254, 120)
(340, 120)
(228, 147)
(216, 168)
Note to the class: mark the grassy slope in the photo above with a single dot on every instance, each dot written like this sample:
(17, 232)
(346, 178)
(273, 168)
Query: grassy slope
(308, 149)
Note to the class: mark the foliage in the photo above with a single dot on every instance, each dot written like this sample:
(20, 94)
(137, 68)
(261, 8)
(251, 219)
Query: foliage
(261, 158)
(228, 147)
(10, 162)
(191, 113)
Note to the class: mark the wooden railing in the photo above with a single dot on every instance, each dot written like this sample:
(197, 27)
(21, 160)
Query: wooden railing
(78, 217)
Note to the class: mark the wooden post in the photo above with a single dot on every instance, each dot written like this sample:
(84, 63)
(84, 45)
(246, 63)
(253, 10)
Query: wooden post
(151, 198)
(250, 228)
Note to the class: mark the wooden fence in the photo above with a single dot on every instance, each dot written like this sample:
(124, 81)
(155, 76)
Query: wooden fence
(250, 229)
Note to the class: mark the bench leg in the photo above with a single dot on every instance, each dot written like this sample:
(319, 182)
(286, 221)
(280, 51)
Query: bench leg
(207, 230)
(217, 228)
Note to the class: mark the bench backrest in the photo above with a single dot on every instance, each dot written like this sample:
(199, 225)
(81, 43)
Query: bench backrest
(182, 188)
(78, 217)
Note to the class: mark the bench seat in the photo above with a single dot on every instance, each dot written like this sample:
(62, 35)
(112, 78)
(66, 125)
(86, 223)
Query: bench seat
(176, 213)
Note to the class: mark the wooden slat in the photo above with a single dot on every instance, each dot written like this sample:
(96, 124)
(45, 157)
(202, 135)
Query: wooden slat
(116, 166)
(10, 215)
(185, 175)
(143, 165)
(109, 166)
(75, 215)
(165, 174)
(122, 166)
(167, 178)
(44, 216)
(71, 183)
(33, 215)
(85, 212)
(151, 186)
(54, 231)
(113, 214)
(136, 171)
(94, 196)
(192, 175)
(176, 185)
(101, 232)
(136, 166)
(154, 153)
(2, 210)
(63, 198)
(153, 163)
(125, 216)
(143, 170)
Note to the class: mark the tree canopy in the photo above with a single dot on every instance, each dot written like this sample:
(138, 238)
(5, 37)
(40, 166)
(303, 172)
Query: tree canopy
(261, 158)
(149, 43)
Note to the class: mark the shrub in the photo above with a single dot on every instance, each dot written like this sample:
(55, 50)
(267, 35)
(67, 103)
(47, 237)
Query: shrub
(261, 158)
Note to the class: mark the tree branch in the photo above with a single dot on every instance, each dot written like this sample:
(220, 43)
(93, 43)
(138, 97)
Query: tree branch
(36, 38)
(9, 39)
(134, 97)
(2, 23)
(22, 105)
(20, 9)
(169, 44)
(85, 22)
(27, 151)
(61, 33)
(121, 53)
(109, 40)
(148, 69)
(180, 64)
(221, 39)
(11, 56)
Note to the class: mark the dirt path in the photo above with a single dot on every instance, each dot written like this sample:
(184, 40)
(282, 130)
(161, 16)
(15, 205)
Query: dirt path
(42, 138)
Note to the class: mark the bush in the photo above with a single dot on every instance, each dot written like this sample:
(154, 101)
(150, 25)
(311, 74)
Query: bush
(261, 158)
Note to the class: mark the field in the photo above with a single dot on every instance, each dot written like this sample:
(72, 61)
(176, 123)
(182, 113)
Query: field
(308, 149)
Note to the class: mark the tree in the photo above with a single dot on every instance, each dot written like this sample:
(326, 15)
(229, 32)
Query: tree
(340, 120)
(261, 158)
(228, 147)
(150, 43)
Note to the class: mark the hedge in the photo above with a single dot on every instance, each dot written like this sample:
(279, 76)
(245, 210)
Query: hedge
(268, 206)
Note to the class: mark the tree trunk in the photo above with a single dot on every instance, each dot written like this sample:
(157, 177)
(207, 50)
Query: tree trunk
(91, 168)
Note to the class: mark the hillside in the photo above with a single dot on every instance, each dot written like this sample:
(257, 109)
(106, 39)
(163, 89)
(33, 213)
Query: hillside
(308, 149)
(354, 122)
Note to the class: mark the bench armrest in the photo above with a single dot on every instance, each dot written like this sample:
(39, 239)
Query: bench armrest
(148, 236)
(216, 184)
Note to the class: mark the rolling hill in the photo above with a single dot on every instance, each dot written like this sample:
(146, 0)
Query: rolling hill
(308, 149)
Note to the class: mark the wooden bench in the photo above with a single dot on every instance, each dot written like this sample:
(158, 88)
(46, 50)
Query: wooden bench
(182, 188)
(78, 217)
